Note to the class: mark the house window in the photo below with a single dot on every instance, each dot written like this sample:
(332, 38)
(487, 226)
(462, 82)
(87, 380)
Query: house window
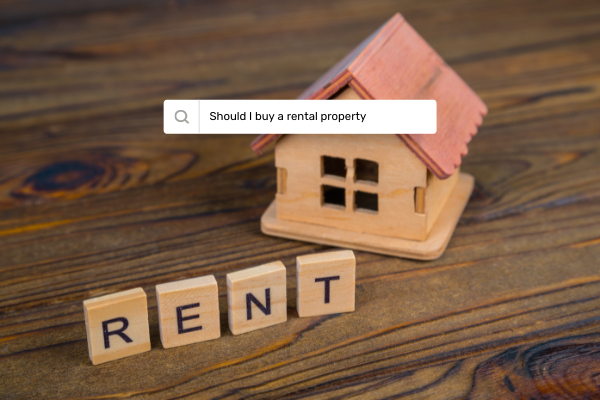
(365, 201)
(333, 166)
(333, 196)
(367, 171)
(366, 175)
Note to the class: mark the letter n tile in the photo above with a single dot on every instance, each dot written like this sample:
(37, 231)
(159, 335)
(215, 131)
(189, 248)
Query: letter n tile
(257, 297)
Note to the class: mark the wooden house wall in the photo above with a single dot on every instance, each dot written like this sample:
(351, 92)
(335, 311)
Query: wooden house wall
(299, 160)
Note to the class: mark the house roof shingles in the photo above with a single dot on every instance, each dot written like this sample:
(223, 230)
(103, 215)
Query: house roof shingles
(395, 62)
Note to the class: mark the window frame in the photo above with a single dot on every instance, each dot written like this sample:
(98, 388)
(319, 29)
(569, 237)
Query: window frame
(348, 184)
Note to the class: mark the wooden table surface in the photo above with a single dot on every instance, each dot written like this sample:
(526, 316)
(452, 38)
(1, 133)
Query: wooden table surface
(95, 199)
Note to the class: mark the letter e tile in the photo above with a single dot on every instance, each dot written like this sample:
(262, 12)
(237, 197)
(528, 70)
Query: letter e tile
(188, 311)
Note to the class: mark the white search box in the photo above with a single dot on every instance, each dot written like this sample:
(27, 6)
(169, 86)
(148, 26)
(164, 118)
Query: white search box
(300, 116)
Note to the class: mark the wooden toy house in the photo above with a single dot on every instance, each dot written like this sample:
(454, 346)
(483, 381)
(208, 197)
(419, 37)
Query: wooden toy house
(400, 195)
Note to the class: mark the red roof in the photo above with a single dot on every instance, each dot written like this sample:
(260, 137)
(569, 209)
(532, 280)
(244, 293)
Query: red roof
(396, 63)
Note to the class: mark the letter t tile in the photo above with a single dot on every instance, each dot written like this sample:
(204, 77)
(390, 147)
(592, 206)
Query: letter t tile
(326, 283)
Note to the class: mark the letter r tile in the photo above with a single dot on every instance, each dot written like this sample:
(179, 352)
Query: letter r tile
(117, 325)
(325, 283)
(188, 311)
(257, 297)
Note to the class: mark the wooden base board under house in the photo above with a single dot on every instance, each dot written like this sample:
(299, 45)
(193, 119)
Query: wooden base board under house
(429, 249)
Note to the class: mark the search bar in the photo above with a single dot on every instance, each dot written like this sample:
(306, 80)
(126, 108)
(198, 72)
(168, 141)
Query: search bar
(300, 116)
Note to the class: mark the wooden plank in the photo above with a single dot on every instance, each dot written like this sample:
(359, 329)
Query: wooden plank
(519, 277)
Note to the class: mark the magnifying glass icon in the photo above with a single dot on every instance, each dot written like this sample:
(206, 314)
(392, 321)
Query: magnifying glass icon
(184, 119)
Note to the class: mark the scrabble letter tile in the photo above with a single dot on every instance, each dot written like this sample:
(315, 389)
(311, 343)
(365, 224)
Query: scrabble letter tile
(257, 297)
(117, 325)
(188, 311)
(325, 283)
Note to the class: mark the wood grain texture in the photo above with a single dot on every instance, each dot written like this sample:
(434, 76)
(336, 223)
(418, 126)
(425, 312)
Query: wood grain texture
(436, 196)
(84, 82)
(256, 297)
(188, 311)
(557, 369)
(325, 283)
(117, 325)
(400, 171)
(429, 249)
